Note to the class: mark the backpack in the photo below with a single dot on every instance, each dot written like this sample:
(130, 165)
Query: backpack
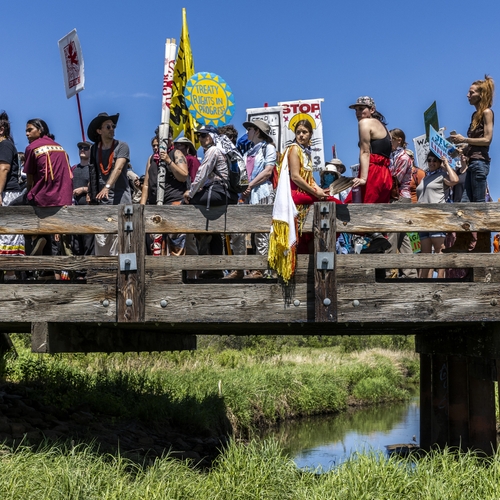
(237, 173)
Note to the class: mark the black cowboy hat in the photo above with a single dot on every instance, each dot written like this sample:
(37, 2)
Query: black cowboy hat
(96, 124)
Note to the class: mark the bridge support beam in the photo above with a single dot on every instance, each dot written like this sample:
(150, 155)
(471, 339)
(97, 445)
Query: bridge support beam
(457, 391)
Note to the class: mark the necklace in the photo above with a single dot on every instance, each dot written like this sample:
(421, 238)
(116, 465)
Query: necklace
(106, 171)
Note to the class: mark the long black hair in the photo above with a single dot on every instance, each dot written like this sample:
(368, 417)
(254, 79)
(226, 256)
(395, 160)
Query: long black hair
(5, 124)
(39, 124)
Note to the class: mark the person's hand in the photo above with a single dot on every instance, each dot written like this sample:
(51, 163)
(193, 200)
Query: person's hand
(247, 192)
(358, 182)
(103, 194)
(186, 198)
(456, 138)
(79, 191)
(164, 156)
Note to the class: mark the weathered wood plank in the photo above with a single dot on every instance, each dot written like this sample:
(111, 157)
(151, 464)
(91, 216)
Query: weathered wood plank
(351, 218)
(325, 292)
(130, 286)
(57, 337)
(418, 302)
(235, 303)
(69, 263)
(59, 303)
(80, 219)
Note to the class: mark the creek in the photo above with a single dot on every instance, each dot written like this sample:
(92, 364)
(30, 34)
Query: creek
(327, 441)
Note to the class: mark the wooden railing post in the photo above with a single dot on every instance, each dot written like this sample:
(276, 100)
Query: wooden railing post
(130, 305)
(325, 287)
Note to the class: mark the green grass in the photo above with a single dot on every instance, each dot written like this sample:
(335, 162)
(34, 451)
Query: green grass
(258, 470)
(207, 391)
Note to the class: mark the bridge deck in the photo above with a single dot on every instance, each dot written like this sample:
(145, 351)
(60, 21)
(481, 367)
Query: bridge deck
(157, 295)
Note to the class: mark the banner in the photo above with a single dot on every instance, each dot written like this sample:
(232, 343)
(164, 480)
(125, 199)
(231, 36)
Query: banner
(421, 145)
(180, 119)
(209, 99)
(72, 63)
(272, 116)
(294, 111)
(440, 146)
(431, 118)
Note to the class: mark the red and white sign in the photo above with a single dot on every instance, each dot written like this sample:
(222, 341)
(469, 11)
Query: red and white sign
(72, 62)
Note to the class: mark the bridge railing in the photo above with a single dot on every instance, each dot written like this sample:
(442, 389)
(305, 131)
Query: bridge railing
(328, 288)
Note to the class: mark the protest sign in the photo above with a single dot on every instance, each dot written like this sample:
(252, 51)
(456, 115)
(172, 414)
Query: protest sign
(209, 99)
(421, 145)
(293, 112)
(270, 115)
(440, 146)
(431, 118)
(72, 63)
(414, 238)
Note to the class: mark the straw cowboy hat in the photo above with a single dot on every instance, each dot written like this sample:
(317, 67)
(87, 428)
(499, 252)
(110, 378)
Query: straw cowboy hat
(96, 124)
(334, 165)
(264, 127)
(190, 145)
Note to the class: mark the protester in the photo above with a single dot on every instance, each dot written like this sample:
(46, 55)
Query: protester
(210, 187)
(10, 244)
(400, 168)
(374, 180)
(186, 147)
(434, 188)
(260, 161)
(50, 180)
(478, 140)
(108, 173)
(174, 188)
(82, 244)
(135, 184)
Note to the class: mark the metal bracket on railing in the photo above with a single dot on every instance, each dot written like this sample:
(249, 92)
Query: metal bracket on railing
(128, 210)
(324, 261)
(128, 226)
(324, 208)
(128, 262)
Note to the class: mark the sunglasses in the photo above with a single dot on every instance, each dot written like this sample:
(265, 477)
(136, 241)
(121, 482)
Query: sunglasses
(203, 135)
(109, 127)
(84, 148)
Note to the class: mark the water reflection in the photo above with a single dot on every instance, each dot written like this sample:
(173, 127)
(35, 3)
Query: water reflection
(328, 441)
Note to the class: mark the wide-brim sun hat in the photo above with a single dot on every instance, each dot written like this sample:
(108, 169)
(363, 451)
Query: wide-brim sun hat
(207, 129)
(190, 145)
(337, 165)
(96, 124)
(363, 101)
(264, 127)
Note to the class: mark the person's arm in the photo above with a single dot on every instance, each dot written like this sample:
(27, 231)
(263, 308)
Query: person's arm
(4, 170)
(294, 165)
(178, 166)
(115, 173)
(145, 186)
(478, 141)
(364, 152)
(452, 175)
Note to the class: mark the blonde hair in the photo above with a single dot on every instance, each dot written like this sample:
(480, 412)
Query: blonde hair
(487, 90)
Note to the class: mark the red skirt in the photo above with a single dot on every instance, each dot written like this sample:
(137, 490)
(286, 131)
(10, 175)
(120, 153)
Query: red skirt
(379, 182)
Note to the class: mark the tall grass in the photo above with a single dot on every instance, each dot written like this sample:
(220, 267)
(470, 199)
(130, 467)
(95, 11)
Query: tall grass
(205, 391)
(257, 470)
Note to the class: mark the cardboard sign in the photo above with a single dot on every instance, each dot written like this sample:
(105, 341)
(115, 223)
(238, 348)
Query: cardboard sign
(72, 62)
(293, 112)
(414, 238)
(209, 99)
(440, 146)
(272, 116)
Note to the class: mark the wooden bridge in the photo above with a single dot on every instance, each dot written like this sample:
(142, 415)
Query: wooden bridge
(135, 302)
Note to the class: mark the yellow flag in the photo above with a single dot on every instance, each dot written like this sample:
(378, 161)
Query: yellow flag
(180, 118)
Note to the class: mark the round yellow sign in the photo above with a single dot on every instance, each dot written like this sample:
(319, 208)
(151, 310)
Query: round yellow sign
(209, 99)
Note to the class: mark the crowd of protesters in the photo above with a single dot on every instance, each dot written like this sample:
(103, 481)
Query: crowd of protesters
(174, 175)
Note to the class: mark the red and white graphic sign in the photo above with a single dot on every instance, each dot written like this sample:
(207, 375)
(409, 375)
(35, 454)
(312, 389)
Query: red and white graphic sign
(72, 62)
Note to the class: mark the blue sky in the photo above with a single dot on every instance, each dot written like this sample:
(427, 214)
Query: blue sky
(405, 55)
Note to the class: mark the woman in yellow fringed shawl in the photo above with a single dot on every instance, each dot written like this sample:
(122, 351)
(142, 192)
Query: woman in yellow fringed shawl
(296, 192)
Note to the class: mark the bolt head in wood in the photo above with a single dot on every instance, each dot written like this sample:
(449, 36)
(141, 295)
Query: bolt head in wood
(105, 303)
(493, 302)
(128, 302)
(163, 303)
(327, 302)
(296, 302)
(355, 303)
